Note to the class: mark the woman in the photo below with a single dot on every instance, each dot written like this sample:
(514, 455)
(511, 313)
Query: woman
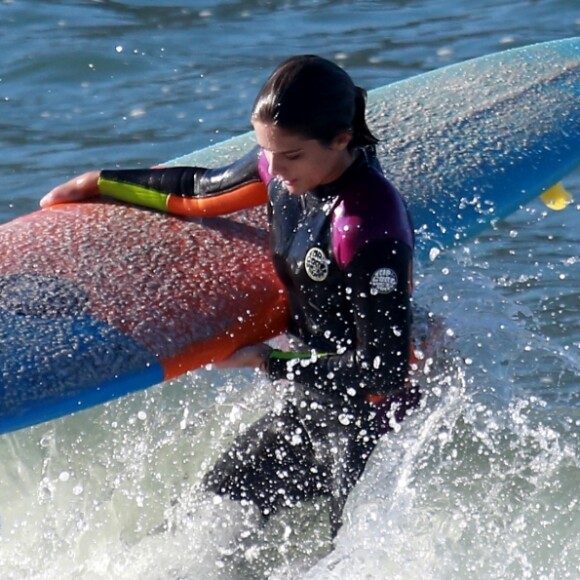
(342, 244)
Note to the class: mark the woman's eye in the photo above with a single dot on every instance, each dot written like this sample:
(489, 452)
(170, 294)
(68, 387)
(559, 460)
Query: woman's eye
(293, 156)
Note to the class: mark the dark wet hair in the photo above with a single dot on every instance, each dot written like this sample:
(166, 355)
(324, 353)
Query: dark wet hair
(315, 98)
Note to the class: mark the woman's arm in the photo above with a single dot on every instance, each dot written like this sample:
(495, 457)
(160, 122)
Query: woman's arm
(194, 191)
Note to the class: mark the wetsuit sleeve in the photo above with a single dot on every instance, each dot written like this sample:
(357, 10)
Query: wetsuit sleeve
(192, 191)
(378, 363)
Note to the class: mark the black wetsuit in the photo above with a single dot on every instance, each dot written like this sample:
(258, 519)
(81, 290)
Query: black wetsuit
(344, 252)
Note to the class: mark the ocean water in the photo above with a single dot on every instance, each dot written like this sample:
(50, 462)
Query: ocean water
(481, 483)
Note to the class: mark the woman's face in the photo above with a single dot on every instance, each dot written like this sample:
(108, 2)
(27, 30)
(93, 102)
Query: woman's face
(302, 164)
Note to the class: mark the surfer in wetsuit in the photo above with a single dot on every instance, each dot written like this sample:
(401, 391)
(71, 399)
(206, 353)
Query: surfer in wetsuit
(342, 244)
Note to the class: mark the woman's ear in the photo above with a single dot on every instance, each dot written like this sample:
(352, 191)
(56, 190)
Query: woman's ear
(342, 140)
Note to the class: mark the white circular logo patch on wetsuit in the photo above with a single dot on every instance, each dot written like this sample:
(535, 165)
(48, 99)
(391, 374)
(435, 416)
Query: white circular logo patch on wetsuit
(316, 264)
(383, 281)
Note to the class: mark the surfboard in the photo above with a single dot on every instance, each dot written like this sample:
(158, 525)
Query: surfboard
(101, 299)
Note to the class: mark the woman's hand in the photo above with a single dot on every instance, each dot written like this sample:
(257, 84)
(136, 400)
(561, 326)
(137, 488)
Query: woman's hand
(247, 356)
(77, 189)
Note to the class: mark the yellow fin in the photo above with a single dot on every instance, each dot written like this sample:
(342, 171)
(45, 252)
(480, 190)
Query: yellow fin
(556, 198)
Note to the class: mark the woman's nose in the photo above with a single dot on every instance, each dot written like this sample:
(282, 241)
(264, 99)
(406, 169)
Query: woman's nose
(276, 165)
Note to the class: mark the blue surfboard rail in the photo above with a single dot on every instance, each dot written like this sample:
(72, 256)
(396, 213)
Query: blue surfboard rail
(511, 139)
(466, 145)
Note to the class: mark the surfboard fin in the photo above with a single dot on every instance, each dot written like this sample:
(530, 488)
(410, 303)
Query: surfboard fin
(556, 198)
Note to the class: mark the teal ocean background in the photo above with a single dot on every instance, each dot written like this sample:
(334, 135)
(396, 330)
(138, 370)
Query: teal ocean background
(480, 484)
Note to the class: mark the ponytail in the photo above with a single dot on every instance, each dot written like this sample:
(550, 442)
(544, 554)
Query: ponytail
(361, 134)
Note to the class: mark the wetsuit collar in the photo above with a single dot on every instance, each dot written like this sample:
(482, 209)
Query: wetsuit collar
(332, 189)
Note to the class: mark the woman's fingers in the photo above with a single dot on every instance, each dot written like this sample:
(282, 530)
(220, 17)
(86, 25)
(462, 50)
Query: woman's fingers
(77, 189)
